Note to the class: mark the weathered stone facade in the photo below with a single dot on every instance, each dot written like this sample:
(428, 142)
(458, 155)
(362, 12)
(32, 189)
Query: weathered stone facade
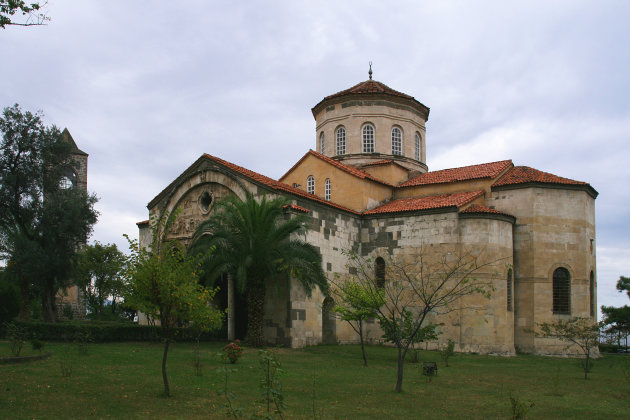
(527, 223)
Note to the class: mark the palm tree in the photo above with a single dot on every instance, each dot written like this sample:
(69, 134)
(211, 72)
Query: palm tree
(256, 245)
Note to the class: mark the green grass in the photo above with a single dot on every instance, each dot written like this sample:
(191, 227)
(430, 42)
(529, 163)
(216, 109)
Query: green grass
(123, 380)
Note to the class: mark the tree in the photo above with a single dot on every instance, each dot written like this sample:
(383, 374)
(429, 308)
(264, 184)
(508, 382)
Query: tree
(256, 245)
(582, 332)
(32, 12)
(618, 321)
(42, 222)
(356, 304)
(623, 285)
(426, 286)
(163, 283)
(99, 274)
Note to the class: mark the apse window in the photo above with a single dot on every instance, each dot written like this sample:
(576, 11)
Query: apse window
(561, 291)
(368, 138)
(310, 184)
(396, 141)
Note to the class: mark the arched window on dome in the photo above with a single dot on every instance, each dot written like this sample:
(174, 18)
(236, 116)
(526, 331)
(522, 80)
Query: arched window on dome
(418, 144)
(322, 143)
(327, 190)
(341, 141)
(396, 141)
(310, 184)
(561, 291)
(368, 138)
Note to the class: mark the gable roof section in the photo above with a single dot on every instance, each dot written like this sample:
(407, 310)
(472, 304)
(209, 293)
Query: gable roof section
(464, 173)
(525, 176)
(66, 136)
(346, 168)
(432, 202)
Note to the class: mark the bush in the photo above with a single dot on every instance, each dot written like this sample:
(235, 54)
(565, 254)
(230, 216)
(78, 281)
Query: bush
(9, 301)
(103, 332)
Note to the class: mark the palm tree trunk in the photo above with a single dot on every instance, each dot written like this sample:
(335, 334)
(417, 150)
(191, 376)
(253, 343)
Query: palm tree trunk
(255, 314)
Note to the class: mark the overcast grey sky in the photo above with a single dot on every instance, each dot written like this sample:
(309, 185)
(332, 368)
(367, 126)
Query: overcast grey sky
(147, 90)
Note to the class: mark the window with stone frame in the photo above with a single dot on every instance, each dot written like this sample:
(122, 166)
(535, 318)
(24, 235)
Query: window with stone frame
(322, 143)
(368, 138)
(592, 293)
(341, 141)
(561, 291)
(510, 286)
(327, 189)
(379, 272)
(310, 184)
(418, 145)
(396, 141)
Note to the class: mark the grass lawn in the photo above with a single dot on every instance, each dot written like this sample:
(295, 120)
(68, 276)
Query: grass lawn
(123, 380)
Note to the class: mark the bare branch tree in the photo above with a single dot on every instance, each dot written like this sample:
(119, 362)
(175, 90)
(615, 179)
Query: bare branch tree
(420, 287)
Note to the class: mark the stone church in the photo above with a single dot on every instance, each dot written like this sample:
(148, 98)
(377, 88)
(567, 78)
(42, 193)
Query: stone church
(366, 186)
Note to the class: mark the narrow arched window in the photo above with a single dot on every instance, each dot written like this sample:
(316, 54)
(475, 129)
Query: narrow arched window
(561, 291)
(310, 184)
(368, 138)
(418, 144)
(322, 143)
(592, 293)
(341, 141)
(327, 189)
(379, 272)
(396, 141)
(509, 290)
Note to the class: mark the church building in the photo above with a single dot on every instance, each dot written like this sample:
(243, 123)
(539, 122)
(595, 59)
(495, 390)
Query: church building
(366, 186)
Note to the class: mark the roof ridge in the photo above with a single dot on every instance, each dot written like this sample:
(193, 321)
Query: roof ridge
(462, 173)
(524, 174)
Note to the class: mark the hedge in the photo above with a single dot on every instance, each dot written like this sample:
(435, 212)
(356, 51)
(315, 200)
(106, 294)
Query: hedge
(103, 332)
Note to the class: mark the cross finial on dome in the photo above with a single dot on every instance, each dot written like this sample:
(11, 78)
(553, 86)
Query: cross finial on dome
(370, 72)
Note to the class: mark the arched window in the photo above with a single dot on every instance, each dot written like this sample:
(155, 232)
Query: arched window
(368, 138)
(341, 141)
(327, 189)
(310, 184)
(418, 142)
(396, 141)
(379, 272)
(561, 291)
(509, 290)
(322, 143)
(592, 293)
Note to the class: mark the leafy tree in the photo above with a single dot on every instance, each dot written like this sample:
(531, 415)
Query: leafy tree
(42, 224)
(623, 285)
(256, 244)
(617, 321)
(414, 291)
(356, 305)
(32, 12)
(9, 299)
(582, 332)
(99, 274)
(163, 283)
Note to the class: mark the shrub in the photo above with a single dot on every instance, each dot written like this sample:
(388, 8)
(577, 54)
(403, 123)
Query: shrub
(233, 351)
(9, 301)
(17, 336)
(37, 344)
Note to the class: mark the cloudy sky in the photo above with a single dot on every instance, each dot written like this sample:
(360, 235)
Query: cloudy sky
(147, 90)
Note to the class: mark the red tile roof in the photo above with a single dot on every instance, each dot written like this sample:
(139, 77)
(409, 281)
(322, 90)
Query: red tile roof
(346, 168)
(465, 173)
(272, 183)
(477, 209)
(296, 208)
(380, 162)
(426, 203)
(144, 222)
(369, 86)
(525, 174)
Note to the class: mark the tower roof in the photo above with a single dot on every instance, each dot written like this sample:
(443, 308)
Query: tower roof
(373, 88)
